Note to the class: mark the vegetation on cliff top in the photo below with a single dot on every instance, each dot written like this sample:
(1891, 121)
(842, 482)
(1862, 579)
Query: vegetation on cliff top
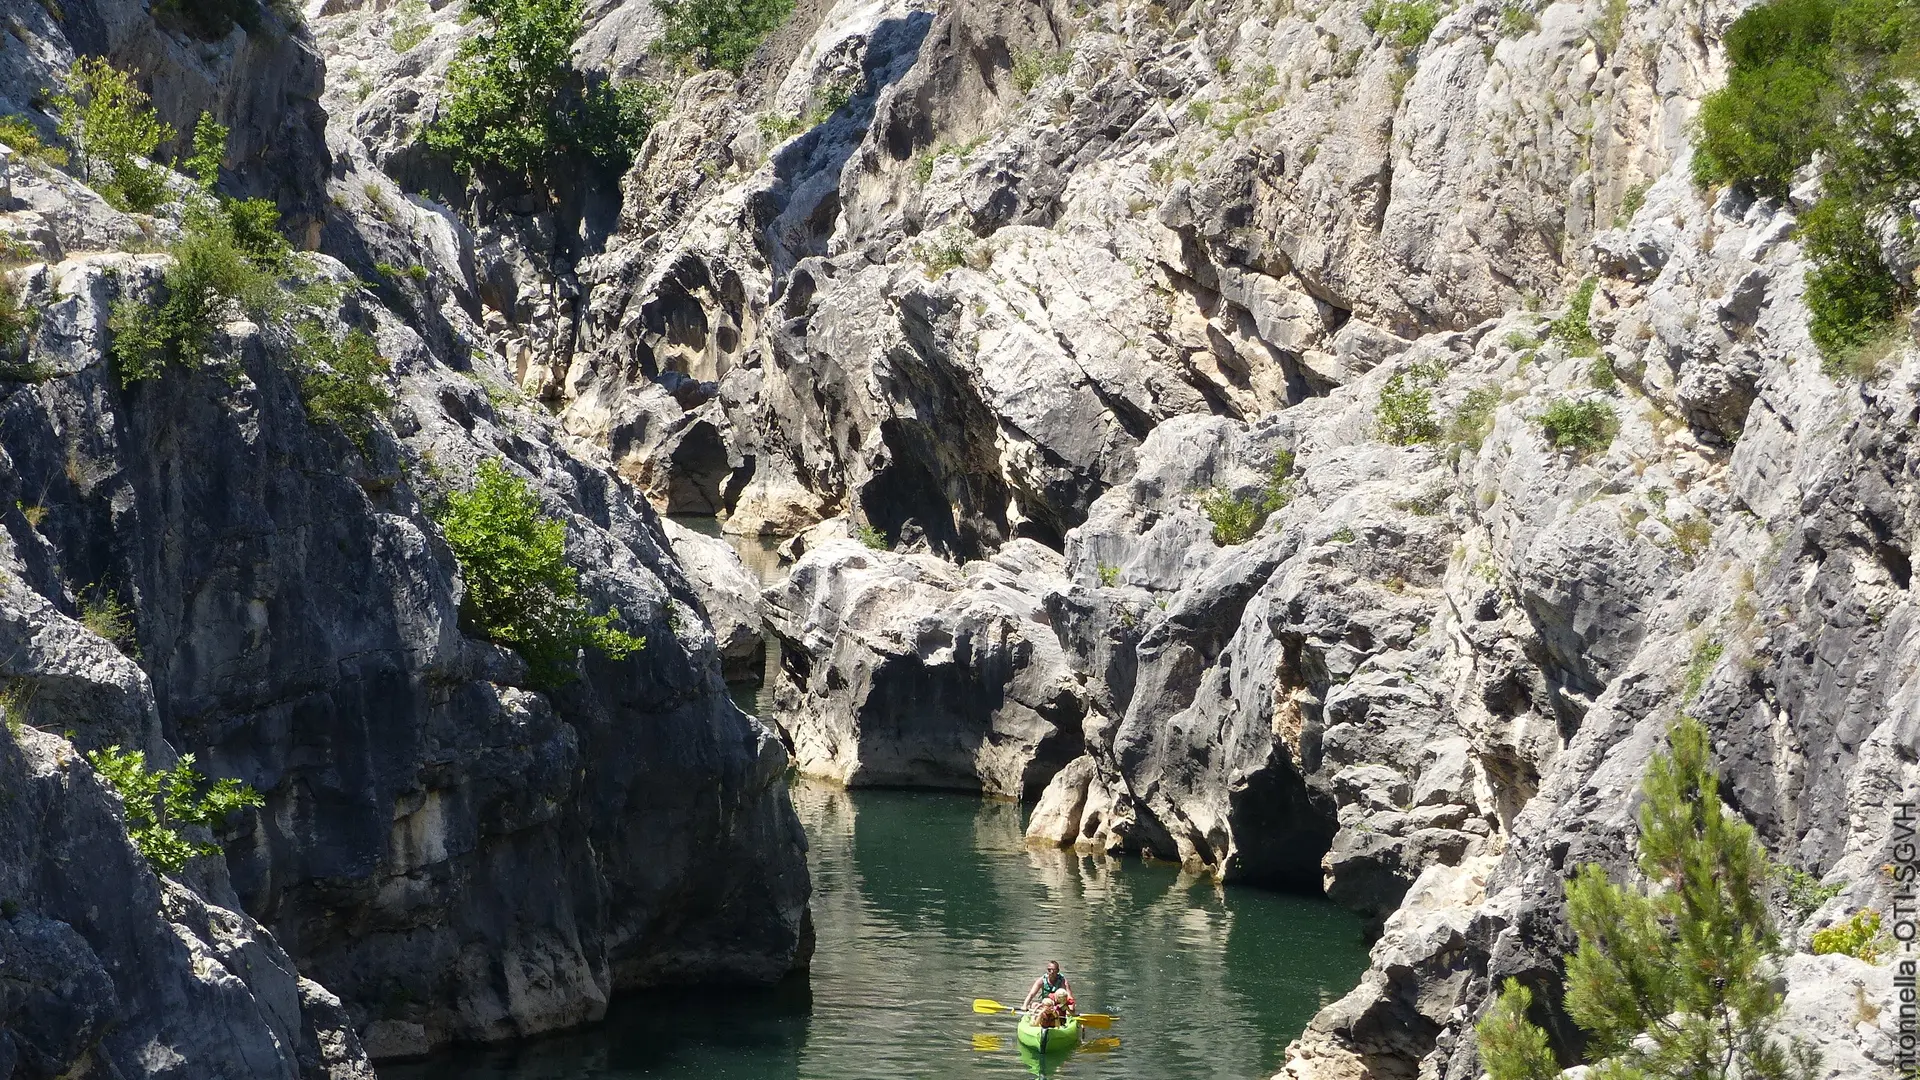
(1675, 979)
(114, 132)
(719, 33)
(1827, 81)
(516, 103)
(520, 590)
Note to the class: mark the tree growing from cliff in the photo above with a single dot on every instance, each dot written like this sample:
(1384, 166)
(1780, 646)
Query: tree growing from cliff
(515, 103)
(520, 590)
(230, 256)
(1672, 979)
(115, 134)
(1827, 83)
(160, 802)
(719, 33)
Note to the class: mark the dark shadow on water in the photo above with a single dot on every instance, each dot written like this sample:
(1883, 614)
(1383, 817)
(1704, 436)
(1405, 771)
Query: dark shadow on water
(711, 1032)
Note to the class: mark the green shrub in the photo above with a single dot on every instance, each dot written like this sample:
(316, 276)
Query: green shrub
(1517, 18)
(1030, 69)
(342, 383)
(23, 138)
(410, 26)
(1573, 328)
(1406, 23)
(212, 275)
(719, 33)
(1673, 979)
(1706, 654)
(104, 614)
(1237, 518)
(1511, 1047)
(112, 127)
(1611, 26)
(1472, 422)
(1404, 413)
(870, 536)
(1804, 893)
(1600, 374)
(520, 590)
(1109, 575)
(1579, 425)
(16, 322)
(1858, 937)
(514, 101)
(1851, 295)
(1828, 78)
(161, 802)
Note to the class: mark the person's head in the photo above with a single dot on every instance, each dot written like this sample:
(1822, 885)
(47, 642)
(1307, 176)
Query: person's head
(1053, 967)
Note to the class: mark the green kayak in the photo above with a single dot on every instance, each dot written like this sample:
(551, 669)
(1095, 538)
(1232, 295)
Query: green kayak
(1048, 1040)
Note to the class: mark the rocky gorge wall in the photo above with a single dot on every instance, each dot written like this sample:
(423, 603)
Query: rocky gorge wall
(1046, 278)
(982, 302)
(446, 851)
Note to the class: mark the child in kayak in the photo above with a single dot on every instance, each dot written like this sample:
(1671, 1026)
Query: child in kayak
(1054, 1009)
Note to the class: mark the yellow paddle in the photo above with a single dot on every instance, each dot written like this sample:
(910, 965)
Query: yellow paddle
(1094, 1020)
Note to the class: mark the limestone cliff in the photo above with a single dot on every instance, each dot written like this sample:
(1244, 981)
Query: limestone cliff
(1015, 292)
(1057, 275)
(454, 851)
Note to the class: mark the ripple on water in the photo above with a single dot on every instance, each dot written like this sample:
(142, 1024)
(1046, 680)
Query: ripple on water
(924, 901)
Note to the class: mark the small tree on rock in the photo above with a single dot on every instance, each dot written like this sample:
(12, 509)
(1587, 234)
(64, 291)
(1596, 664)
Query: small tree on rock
(1673, 980)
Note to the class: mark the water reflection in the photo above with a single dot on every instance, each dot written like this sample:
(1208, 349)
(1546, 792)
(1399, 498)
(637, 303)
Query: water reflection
(925, 901)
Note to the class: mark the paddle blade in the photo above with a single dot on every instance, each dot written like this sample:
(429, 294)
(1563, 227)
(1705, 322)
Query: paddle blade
(988, 1005)
(1096, 1020)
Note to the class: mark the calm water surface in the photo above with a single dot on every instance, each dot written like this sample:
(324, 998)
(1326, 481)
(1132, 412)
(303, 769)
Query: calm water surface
(924, 901)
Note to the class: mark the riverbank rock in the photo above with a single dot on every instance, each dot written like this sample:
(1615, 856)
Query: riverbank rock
(729, 597)
(905, 670)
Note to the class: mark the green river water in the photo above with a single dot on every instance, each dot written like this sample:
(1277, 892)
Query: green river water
(923, 901)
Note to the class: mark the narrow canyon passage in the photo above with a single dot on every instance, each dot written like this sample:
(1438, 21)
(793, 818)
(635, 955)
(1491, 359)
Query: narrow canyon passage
(923, 901)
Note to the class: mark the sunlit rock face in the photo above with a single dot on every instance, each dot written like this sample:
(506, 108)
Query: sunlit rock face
(1005, 311)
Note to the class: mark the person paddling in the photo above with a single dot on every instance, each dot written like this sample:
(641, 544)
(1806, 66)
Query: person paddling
(1048, 984)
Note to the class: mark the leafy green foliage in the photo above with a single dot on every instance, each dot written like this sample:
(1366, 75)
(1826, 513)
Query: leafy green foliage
(1706, 654)
(229, 257)
(520, 590)
(1804, 893)
(1237, 518)
(1030, 69)
(1404, 413)
(719, 33)
(1108, 574)
(1858, 937)
(112, 127)
(1406, 23)
(16, 322)
(1851, 294)
(1511, 1047)
(516, 103)
(1673, 980)
(102, 612)
(212, 275)
(1583, 426)
(342, 383)
(1826, 79)
(161, 802)
(23, 138)
(1573, 328)
(870, 536)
